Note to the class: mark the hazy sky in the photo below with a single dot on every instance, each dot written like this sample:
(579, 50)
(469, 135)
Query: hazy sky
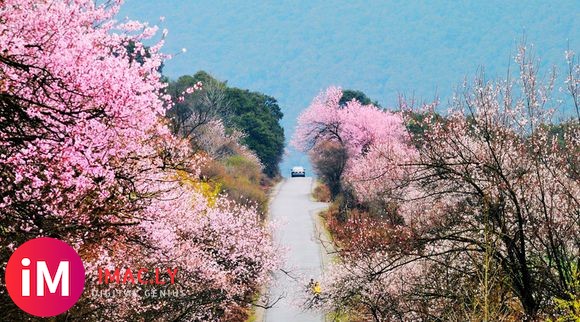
(294, 49)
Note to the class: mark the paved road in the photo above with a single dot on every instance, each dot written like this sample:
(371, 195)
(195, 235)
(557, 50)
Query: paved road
(294, 209)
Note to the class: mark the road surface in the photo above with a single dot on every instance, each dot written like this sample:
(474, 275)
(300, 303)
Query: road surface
(295, 212)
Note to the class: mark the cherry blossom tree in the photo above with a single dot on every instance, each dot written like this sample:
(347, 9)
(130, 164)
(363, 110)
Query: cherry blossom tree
(86, 156)
(354, 127)
(72, 101)
(484, 211)
(212, 243)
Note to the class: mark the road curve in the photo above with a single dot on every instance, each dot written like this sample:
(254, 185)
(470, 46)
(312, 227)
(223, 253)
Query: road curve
(294, 210)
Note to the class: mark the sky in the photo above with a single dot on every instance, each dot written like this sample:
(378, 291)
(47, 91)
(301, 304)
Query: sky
(292, 50)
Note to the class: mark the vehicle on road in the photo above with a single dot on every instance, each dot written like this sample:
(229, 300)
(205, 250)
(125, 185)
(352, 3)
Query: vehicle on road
(297, 172)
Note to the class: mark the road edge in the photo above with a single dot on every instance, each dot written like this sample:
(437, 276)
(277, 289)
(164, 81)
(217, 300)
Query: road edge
(324, 238)
(259, 313)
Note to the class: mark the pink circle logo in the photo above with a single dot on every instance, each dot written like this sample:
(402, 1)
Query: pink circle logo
(45, 277)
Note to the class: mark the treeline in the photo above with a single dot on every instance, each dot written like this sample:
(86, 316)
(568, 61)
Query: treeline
(471, 215)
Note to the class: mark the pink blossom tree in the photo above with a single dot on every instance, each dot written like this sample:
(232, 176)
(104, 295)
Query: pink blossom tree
(86, 156)
(354, 127)
(487, 208)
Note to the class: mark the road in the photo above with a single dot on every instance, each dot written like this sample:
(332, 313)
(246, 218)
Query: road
(294, 210)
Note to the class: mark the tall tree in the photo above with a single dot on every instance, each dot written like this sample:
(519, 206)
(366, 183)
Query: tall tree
(354, 128)
(486, 207)
(258, 116)
(255, 114)
(350, 94)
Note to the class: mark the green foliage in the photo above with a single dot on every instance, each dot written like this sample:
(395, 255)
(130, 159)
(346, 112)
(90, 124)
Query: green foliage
(208, 103)
(186, 81)
(569, 307)
(258, 116)
(192, 111)
(255, 114)
(204, 77)
(558, 130)
(350, 94)
(416, 125)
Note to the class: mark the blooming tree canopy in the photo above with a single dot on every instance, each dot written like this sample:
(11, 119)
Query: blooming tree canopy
(475, 216)
(86, 156)
(363, 131)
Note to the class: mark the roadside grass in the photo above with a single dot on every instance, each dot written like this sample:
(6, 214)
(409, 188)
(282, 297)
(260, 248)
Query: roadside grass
(321, 193)
(241, 180)
(337, 317)
(252, 314)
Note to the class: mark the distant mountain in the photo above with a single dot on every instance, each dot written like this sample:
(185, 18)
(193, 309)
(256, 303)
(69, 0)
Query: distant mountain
(293, 49)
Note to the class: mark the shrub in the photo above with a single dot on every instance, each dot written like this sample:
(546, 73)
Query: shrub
(240, 178)
(321, 193)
